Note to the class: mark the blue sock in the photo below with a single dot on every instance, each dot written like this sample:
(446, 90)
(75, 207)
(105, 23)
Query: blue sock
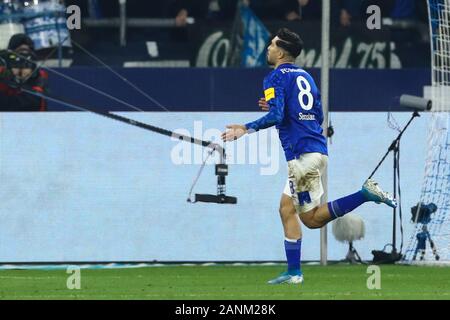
(293, 253)
(342, 206)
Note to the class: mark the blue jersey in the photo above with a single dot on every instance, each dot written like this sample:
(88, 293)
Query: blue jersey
(295, 110)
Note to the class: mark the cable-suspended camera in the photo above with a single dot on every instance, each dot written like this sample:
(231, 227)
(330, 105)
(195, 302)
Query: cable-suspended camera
(221, 169)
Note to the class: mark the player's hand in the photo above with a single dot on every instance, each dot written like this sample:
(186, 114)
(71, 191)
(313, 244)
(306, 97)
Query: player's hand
(262, 103)
(234, 132)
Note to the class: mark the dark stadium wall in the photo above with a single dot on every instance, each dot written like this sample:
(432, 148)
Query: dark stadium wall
(230, 89)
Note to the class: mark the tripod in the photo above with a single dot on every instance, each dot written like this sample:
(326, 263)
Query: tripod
(422, 238)
(352, 255)
(395, 148)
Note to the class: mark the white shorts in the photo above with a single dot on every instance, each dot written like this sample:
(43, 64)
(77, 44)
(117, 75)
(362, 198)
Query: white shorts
(304, 184)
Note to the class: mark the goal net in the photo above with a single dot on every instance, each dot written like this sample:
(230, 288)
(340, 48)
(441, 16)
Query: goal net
(433, 221)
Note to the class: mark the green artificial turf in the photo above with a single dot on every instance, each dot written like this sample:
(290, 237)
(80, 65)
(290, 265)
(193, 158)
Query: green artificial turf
(228, 282)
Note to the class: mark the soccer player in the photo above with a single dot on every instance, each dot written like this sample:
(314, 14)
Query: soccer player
(295, 109)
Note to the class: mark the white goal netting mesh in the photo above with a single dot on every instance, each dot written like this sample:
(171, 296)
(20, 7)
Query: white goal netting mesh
(436, 183)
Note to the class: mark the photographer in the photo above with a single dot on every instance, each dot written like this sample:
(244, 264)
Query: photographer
(17, 70)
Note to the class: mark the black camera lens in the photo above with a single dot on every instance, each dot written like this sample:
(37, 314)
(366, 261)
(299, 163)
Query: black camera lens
(22, 60)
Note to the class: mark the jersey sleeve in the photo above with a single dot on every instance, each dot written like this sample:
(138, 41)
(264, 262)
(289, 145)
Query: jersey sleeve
(274, 93)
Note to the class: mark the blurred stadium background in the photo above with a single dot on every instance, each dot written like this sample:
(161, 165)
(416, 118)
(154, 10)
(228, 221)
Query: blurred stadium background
(80, 189)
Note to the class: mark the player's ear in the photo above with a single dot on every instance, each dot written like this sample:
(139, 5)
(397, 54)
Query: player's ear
(281, 53)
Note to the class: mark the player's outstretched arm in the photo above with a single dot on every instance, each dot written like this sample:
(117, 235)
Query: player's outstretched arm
(274, 117)
(273, 102)
(234, 132)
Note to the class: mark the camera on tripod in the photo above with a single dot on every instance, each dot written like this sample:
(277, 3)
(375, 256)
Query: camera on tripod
(421, 213)
(18, 67)
(23, 59)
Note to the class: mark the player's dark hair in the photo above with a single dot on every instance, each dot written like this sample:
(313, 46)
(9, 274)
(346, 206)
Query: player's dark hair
(289, 42)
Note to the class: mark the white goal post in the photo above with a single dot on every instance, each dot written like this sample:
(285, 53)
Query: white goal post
(436, 183)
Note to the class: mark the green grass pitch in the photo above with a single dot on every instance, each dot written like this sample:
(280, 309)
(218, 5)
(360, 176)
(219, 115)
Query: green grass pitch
(223, 282)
